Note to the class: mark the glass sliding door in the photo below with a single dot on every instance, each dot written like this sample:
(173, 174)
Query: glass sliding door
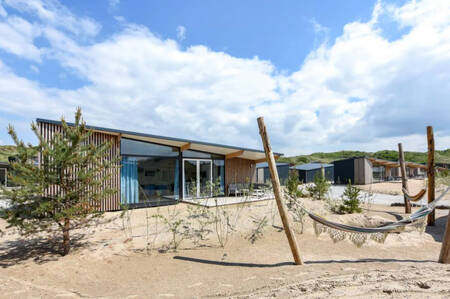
(205, 178)
(189, 178)
(197, 178)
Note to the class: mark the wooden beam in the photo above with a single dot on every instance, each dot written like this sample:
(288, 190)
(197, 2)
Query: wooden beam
(277, 191)
(260, 160)
(264, 159)
(430, 172)
(185, 147)
(401, 159)
(234, 155)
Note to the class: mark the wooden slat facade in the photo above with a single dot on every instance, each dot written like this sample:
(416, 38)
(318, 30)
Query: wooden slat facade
(112, 202)
(239, 170)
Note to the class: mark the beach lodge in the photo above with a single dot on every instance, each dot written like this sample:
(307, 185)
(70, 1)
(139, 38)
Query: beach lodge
(365, 170)
(157, 170)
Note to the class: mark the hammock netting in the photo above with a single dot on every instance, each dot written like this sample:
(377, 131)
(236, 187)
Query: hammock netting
(359, 235)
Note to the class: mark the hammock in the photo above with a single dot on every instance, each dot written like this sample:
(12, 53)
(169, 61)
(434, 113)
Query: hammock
(416, 197)
(358, 234)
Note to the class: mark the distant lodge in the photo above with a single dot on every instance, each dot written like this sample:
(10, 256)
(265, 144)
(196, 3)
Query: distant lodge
(358, 170)
(4, 166)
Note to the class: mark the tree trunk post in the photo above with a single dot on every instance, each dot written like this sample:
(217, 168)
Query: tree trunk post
(66, 236)
(277, 191)
(401, 159)
(431, 172)
(444, 256)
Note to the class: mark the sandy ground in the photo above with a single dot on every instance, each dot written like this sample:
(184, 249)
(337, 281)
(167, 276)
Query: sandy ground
(395, 187)
(113, 260)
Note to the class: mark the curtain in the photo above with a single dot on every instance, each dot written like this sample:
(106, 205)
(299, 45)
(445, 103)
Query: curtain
(129, 185)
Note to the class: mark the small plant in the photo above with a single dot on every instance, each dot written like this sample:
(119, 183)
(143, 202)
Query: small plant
(177, 226)
(320, 187)
(296, 211)
(258, 231)
(292, 183)
(350, 200)
(201, 218)
(125, 215)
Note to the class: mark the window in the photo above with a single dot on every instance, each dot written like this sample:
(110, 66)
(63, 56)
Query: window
(131, 147)
(201, 155)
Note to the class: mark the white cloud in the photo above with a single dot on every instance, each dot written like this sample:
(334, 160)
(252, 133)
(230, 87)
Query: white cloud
(181, 32)
(113, 4)
(51, 12)
(3, 12)
(17, 37)
(363, 91)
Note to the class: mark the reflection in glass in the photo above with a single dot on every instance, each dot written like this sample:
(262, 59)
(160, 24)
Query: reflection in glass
(205, 178)
(218, 170)
(141, 148)
(149, 179)
(190, 178)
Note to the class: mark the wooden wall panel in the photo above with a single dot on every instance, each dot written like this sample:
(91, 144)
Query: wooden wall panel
(112, 202)
(239, 170)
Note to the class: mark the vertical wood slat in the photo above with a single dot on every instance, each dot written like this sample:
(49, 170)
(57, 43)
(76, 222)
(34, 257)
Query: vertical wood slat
(111, 202)
(238, 170)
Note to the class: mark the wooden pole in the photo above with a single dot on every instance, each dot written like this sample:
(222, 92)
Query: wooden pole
(444, 256)
(401, 159)
(277, 191)
(430, 172)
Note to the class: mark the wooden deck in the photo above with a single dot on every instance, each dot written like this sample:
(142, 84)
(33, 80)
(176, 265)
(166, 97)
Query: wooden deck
(227, 200)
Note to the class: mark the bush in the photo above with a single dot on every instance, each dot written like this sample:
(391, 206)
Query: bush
(292, 183)
(320, 187)
(351, 200)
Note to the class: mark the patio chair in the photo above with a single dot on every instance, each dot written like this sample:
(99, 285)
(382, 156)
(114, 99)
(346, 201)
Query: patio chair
(234, 189)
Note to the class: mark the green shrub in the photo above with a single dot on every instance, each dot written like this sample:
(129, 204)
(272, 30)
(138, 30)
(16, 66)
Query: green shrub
(292, 183)
(320, 187)
(350, 200)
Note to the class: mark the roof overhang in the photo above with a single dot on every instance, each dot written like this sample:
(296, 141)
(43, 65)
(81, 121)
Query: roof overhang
(184, 144)
(392, 164)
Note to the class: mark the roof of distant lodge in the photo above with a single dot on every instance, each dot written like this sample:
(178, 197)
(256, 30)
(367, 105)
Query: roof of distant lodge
(311, 166)
(264, 164)
(251, 154)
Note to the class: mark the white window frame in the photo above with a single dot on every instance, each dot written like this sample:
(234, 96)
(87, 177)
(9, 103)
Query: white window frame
(197, 165)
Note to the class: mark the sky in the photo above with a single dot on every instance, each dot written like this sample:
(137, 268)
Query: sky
(326, 75)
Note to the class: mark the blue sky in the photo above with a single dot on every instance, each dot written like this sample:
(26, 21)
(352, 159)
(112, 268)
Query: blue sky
(326, 75)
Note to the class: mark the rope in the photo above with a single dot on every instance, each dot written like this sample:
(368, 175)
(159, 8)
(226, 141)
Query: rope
(388, 227)
(416, 197)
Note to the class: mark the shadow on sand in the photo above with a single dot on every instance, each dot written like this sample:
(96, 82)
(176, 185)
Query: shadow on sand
(437, 230)
(38, 249)
(253, 265)
(231, 264)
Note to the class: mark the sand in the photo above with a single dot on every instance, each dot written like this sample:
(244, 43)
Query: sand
(114, 262)
(395, 187)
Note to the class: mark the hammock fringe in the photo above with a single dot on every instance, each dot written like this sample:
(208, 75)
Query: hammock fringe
(359, 235)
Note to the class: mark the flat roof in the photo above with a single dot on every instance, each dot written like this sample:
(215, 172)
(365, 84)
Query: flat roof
(231, 151)
(311, 166)
(264, 164)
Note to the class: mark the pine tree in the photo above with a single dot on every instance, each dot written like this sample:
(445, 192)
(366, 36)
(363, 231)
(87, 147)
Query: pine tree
(292, 183)
(320, 187)
(72, 167)
(350, 200)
